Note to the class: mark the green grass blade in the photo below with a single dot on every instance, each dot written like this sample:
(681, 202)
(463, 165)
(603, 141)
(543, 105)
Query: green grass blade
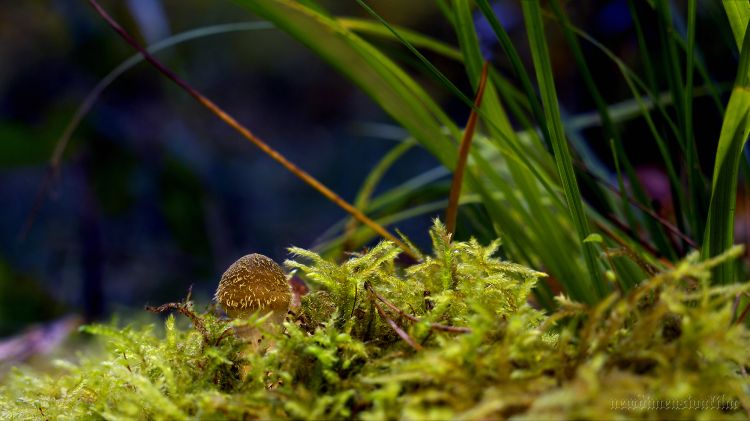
(738, 12)
(643, 47)
(362, 199)
(518, 69)
(719, 234)
(656, 230)
(545, 239)
(431, 67)
(378, 171)
(368, 27)
(93, 95)
(497, 121)
(671, 63)
(540, 54)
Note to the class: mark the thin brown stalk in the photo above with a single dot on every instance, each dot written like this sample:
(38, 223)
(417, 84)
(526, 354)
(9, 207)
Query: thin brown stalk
(661, 220)
(463, 154)
(436, 326)
(396, 328)
(744, 313)
(628, 230)
(247, 134)
(186, 309)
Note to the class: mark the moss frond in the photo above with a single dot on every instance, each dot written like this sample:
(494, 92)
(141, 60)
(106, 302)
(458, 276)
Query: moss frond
(481, 350)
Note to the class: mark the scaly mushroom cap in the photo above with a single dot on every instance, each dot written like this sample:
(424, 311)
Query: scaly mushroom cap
(252, 283)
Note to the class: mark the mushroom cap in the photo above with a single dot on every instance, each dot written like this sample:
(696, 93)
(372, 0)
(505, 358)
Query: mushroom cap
(254, 282)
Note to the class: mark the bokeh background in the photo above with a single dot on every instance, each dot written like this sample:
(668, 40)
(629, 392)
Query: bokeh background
(155, 194)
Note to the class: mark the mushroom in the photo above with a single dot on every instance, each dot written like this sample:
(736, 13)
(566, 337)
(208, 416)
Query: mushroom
(254, 283)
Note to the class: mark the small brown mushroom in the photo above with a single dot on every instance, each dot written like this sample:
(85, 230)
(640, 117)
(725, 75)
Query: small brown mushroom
(254, 283)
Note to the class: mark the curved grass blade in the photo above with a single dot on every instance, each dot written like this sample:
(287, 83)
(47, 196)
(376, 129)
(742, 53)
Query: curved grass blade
(88, 103)
(519, 70)
(738, 12)
(397, 93)
(362, 199)
(719, 235)
(367, 27)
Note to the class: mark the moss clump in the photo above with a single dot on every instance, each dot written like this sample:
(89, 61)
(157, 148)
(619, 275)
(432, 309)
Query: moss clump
(451, 337)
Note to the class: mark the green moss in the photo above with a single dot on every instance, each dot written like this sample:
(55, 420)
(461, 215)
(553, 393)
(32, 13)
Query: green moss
(450, 337)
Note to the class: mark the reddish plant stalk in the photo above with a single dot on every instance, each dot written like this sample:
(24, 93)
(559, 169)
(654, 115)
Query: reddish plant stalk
(463, 155)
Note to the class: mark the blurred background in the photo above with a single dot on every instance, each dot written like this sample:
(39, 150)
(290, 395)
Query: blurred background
(154, 194)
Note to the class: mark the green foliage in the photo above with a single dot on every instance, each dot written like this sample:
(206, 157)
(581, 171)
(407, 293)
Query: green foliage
(452, 336)
(529, 177)
(734, 132)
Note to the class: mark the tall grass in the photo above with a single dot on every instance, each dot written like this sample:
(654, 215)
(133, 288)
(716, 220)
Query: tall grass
(526, 175)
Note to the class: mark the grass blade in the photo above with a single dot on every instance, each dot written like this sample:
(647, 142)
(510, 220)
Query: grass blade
(378, 76)
(543, 238)
(738, 12)
(611, 132)
(540, 54)
(363, 26)
(362, 199)
(719, 235)
(88, 103)
(463, 155)
(515, 61)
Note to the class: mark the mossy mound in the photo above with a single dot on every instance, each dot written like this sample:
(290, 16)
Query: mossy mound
(450, 337)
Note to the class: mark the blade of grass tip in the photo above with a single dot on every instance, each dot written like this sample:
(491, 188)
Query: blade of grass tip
(643, 48)
(719, 234)
(445, 9)
(363, 26)
(431, 67)
(515, 60)
(738, 13)
(228, 119)
(88, 103)
(463, 154)
(540, 55)
(362, 199)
